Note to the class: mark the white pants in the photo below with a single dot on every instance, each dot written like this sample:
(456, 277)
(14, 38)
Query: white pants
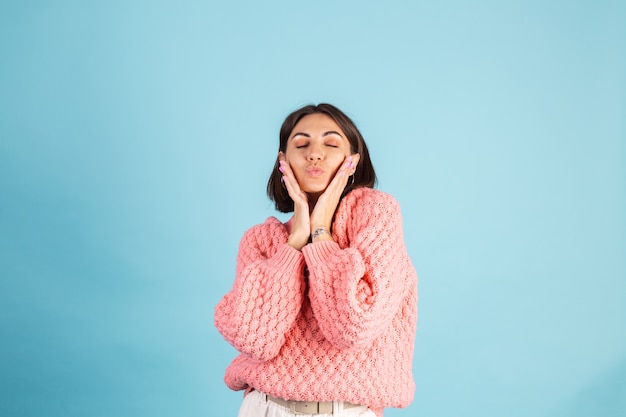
(255, 404)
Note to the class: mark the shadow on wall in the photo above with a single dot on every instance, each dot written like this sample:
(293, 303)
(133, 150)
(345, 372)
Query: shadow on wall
(603, 397)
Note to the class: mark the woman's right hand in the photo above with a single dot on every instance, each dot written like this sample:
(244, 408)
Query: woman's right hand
(301, 226)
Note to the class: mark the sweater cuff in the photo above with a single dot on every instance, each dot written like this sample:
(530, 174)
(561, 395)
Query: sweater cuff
(318, 252)
(289, 258)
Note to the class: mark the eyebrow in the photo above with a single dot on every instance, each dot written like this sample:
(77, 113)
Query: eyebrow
(330, 132)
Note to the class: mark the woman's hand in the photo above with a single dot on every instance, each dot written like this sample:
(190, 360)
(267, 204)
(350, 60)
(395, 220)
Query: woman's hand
(301, 226)
(324, 210)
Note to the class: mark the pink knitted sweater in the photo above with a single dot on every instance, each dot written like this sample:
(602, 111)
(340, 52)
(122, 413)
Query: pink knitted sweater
(335, 321)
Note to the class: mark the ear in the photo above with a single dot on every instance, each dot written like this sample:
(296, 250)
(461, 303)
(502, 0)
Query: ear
(355, 159)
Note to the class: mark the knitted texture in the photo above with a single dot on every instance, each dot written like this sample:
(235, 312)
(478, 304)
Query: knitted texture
(335, 321)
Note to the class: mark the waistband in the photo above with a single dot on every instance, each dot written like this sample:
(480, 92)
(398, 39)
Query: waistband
(307, 407)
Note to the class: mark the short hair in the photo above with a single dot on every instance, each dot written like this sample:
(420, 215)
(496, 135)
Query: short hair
(364, 175)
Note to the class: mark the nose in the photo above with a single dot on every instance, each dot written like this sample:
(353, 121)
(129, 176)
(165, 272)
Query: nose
(315, 154)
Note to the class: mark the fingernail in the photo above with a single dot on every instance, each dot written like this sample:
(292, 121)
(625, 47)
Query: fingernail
(281, 169)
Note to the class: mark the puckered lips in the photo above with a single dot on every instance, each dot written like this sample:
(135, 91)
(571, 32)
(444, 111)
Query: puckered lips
(314, 171)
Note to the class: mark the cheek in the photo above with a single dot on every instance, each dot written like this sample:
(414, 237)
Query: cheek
(338, 161)
(296, 168)
(289, 161)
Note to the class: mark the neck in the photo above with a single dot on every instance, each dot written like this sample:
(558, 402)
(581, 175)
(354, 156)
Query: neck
(312, 201)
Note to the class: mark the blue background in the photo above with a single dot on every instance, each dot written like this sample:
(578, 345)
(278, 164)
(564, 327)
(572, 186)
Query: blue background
(136, 139)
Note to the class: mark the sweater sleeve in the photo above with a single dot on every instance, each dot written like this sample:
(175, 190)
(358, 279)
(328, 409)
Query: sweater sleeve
(266, 296)
(356, 291)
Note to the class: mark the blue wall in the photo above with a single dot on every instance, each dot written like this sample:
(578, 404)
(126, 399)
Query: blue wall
(136, 139)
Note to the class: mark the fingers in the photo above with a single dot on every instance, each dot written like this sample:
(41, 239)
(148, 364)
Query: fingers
(289, 179)
(349, 165)
(347, 168)
(301, 228)
(332, 194)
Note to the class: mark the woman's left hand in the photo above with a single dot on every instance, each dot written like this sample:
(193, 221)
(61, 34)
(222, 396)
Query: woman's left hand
(322, 215)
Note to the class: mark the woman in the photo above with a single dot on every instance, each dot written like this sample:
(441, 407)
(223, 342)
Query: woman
(324, 307)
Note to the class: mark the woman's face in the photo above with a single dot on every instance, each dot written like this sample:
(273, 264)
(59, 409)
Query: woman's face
(315, 150)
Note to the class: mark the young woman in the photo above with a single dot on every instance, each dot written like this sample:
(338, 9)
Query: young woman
(324, 307)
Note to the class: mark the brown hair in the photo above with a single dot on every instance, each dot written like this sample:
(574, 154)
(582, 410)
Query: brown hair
(364, 176)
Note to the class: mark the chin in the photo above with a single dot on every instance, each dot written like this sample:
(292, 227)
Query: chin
(314, 187)
(315, 190)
